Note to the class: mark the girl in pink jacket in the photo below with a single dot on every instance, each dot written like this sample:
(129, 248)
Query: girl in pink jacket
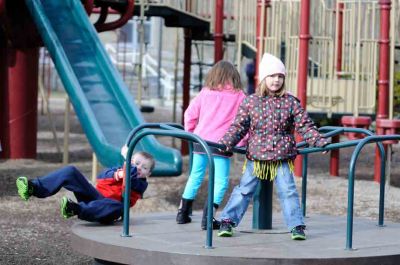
(209, 116)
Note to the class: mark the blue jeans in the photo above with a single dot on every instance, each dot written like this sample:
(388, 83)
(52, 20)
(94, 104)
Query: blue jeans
(92, 206)
(286, 190)
(221, 177)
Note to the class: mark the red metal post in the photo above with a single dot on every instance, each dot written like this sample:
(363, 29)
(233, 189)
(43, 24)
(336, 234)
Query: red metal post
(219, 31)
(89, 5)
(186, 79)
(101, 26)
(339, 38)
(334, 159)
(187, 62)
(258, 40)
(2, 5)
(303, 65)
(335, 154)
(22, 102)
(384, 52)
(4, 135)
(259, 35)
(384, 64)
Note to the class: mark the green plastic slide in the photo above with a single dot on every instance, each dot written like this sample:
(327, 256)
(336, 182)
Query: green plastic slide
(100, 98)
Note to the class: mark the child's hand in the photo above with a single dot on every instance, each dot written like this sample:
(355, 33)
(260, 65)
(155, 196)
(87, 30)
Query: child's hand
(119, 175)
(323, 143)
(124, 151)
(223, 149)
(325, 152)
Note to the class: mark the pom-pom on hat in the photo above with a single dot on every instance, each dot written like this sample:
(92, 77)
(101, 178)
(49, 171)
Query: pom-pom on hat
(270, 65)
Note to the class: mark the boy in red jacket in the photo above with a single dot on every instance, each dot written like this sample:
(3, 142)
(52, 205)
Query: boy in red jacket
(102, 204)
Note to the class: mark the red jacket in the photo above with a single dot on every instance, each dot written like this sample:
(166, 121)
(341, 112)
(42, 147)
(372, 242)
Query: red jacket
(110, 188)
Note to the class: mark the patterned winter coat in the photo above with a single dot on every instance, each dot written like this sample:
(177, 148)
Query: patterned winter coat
(271, 122)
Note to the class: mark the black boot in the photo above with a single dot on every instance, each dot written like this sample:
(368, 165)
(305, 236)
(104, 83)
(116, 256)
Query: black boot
(185, 208)
(216, 224)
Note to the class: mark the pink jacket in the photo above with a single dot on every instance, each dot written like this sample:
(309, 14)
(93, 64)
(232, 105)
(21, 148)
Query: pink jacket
(211, 112)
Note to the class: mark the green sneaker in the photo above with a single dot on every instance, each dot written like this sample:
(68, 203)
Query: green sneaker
(226, 228)
(298, 233)
(25, 190)
(65, 208)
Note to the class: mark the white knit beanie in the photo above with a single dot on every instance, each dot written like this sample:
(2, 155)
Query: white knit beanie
(270, 65)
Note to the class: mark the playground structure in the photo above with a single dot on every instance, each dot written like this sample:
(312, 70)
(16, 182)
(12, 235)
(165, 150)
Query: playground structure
(334, 69)
(334, 57)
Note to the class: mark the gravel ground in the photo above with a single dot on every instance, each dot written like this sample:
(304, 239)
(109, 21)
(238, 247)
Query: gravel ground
(34, 233)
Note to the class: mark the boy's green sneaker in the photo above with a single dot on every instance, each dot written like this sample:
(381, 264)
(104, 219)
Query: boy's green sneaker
(226, 228)
(66, 208)
(25, 190)
(298, 233)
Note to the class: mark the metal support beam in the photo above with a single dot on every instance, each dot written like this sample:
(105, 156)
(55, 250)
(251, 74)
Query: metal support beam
(303, 67)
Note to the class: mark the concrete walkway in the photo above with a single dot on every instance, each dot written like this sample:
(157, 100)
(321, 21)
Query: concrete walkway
(157, 239)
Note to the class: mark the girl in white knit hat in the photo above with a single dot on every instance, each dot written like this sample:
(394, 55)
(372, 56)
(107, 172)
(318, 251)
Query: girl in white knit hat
(269, 117)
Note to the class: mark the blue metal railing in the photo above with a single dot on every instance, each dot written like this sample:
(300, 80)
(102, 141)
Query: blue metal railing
(176, 130)
(350, 193)
(330, 132)
(167, 130)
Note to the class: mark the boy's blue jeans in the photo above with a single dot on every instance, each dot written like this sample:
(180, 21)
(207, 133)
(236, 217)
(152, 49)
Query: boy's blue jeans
(286, 190)
(198, 171)
(92, 206)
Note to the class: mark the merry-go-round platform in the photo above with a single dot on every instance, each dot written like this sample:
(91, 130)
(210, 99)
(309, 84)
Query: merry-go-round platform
(156, 239)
